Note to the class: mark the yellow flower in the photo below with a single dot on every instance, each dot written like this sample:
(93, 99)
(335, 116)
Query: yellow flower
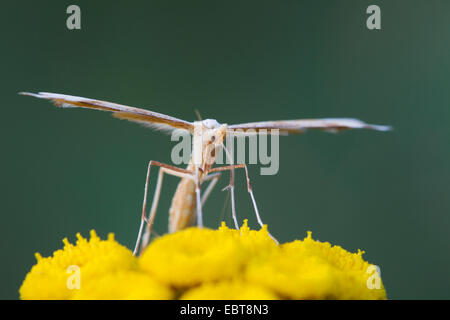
(311, 269)
(193, 256)
(76, 267)
(123, 285)
(257, 243)
(205, 264)
(229, 290)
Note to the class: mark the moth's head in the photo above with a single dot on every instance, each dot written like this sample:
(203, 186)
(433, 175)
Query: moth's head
(209, 136)
(210, 124)
(213, 132)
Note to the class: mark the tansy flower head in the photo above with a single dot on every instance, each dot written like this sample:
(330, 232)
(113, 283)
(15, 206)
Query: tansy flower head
(123, 284)
(310, 269)
(194, 256)
(48, 279)
(229, 290)
(204, 264)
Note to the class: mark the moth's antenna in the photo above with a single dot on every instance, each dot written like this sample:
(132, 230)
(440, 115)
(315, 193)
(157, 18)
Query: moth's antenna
(199, 117)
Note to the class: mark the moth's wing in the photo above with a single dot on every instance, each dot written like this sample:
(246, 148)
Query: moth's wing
(148, 118)
(300, 126)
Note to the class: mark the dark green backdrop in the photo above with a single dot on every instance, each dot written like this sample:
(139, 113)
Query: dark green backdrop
(69, 171)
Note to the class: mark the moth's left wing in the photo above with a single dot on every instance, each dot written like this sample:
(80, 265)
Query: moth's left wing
(148, 118)
(300, 126)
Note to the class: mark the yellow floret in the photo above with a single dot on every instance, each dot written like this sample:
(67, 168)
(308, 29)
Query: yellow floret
(74, 266)
(229, 290)
(193, 256)
(124, 285)
(257, 243)
(311, 269)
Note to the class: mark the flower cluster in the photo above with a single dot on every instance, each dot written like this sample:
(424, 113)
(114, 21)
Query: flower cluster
(203, 264)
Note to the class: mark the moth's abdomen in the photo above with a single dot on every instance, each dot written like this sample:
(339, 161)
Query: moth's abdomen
(182, 212)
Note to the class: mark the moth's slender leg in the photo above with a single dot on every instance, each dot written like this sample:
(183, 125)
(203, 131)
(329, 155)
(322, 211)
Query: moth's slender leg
(144, 207)
(168, 169)
(224, 207)
(199, 202)
(233, 205)
(249, 189)
(155, 201)
(214, 178)
(231, 186)
(173, 171)
(210, 177)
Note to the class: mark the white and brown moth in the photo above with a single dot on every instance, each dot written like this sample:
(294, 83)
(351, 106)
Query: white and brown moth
(187, 202)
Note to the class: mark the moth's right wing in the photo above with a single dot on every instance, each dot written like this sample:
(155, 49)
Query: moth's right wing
(148, 118)
(299, 126)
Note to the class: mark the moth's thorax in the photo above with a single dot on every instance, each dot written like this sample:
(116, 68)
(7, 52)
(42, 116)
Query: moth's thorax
(208, 137)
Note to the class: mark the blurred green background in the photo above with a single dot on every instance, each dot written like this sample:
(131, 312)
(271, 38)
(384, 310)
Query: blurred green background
(69, 171)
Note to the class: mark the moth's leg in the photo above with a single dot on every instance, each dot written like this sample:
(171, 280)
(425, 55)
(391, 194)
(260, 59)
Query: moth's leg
(231, 187)
(165, 168)
(198, 199)
(151, 218)
(249, 189)
(214, 178)
(174, 171)
(229, 156)
(233, 205)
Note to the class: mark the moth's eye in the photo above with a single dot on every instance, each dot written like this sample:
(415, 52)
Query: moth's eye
(213, 138)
